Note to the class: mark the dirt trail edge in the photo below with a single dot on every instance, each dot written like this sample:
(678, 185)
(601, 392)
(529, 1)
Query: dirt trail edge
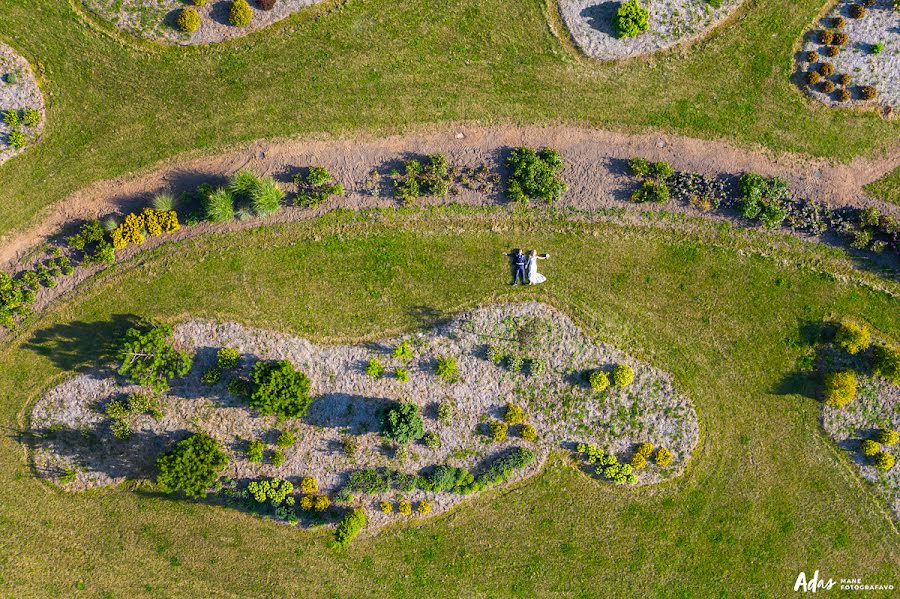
(596, 170)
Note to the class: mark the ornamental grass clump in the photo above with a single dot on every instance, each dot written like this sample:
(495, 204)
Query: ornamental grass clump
(219, 206)
(840, 388)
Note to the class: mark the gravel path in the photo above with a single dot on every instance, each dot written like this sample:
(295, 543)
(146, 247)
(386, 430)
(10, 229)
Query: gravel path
(561, 406)
(671, 22)
(881, 24)
(157, 19)
(19, 95)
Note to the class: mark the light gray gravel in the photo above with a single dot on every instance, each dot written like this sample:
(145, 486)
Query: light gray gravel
(72, 434)
(156, 19)
(671, 22)
(24, 93)
(881, 24)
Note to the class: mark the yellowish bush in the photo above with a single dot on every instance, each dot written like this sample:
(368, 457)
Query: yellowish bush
(424, 507)
(321, 503)
(840, 388)
(404, 507)
(306, 503)
(663, 457)
(309, 486)
(387, 507)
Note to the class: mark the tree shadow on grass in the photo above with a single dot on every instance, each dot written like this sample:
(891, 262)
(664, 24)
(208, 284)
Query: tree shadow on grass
(80, 345)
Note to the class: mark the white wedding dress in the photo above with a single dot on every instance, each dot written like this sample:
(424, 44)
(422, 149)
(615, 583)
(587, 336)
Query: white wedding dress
(534, 277)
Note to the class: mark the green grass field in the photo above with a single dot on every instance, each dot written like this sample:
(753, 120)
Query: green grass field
(117, 105)
(887, 188)
(765, 497)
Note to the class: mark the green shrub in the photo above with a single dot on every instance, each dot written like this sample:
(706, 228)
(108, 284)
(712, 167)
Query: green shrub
(316, 187)
(277, 458)
(663, 457)
(188, 19)
(495, 355)
(869, 447)
(11, 118)
(211, 376)
(219, 206)
(402, 423)
(599, 380)
(287, 438)
(15, 299)
(623, 375)
(651, 191)
(274, 491)
(68, 477)
(401, 374)
(239, 387)
(840, 388)
(240, 14)
(877, 48)
(404, 351)
(631, 19)
(662, 170)
(528, 433)
(853, 338)
(888, 436)
(764, 199)
(227, 358)
(445, 412)
(31, 117)
(255, 450)
(11, 78)
(535, 175)
(16, 139)
(192, 466)
(265, 199)
(536, 367)
(447, 369)
(374, 368)
(349, 527)
(497, 430)
(506, 465)
(148, 357)
(883, 461)
(639, 167)
(868, 92)
(432, 440)
(417, 180)
(514, 414)
(279, 389)
(89, 233)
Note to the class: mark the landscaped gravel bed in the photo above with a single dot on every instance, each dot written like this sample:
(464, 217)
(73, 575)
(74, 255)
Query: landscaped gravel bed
(18, 91)
(671, 22)
(72, 433)
(860, 57)
(157, 19)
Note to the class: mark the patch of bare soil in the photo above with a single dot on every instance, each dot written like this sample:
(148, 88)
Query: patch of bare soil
(596, 172)
(72, 433)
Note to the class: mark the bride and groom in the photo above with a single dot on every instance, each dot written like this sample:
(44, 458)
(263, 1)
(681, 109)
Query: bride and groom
(525, 267)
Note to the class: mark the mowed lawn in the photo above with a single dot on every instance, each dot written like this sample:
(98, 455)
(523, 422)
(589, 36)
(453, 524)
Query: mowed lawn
(766, 496)
(117, 105)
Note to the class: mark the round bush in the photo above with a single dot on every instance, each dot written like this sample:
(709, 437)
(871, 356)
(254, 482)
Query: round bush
(843, 78)
(188, 20)
(883, 461)
(867, 92)
(827, 86)
(528, 433)
(869, 447)
(826, 36)
(826, 69)
(844, 95)
(599, 380)
(869, 2)
(838, 22)
(631, 19)
(623, 375)
(886, 361)
(812, 56)
(514, 414)
(888, 436)
(645, 449)
(403, 423)
(663, 457)
(227, 358)
(857, 11)
(638, 461)
(498, 430)
(853, 338)
(832, 51)
(841, 38)
(240, 13)
(424, 507)
(192, 466)
(813, 77)
(840, 388)
(386, 506)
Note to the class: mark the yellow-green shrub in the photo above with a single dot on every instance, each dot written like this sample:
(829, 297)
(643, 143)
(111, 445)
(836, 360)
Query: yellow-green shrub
(131, 231)
(306, 503)
(321, 503)
(888, 436)
(498, 430)
(424, 507)
(514, 413)
(309, 486)
(623, 375)
(599, 380)
(528, 433)
(869, 447)
(883, 461)
(638, 461)
(387, 507)
(645, 449)
(404, 507)
(840, 388)
(663, 457)
(853, 337)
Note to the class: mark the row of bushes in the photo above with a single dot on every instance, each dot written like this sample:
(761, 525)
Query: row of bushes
(18, 294)
(239, 14)
(609, 467)
(622, 376)
(872, 448)
(840, 387)
(515, 363)
(29, 117)
(405, 507)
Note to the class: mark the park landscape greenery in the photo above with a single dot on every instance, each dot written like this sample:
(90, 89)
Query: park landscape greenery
(726, 312)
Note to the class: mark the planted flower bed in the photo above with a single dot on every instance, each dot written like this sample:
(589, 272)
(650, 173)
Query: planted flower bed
(483, 401)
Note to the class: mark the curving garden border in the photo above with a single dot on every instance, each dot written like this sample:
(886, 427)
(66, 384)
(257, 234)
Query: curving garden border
(19, 91)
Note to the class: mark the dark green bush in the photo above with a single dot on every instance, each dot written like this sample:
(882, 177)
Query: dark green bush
(639, 167)
(631, 19)
(826, 69)
(402, 423)
(813, 77)
(192, 466)
(764, 199)
(316, 187)
(840, 39)
(418, 180)
(148, 357)
(857, 11)
(826, 36)
(279, 389)
(507, 465)
(812, 56)
(535, 175)
(827, 86)
(651, 191)
(886, 362)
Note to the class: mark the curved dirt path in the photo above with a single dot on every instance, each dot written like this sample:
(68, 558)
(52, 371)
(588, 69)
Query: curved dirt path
(596, 171)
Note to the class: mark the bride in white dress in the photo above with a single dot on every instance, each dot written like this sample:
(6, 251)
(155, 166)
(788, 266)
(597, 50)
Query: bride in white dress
(534, 277)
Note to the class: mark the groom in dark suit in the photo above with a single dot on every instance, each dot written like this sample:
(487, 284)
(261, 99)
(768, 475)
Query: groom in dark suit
(519, 259)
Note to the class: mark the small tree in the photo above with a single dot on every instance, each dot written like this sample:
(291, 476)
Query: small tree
(403, 423)
(149, 358)
(192, 466)
(280, 389)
